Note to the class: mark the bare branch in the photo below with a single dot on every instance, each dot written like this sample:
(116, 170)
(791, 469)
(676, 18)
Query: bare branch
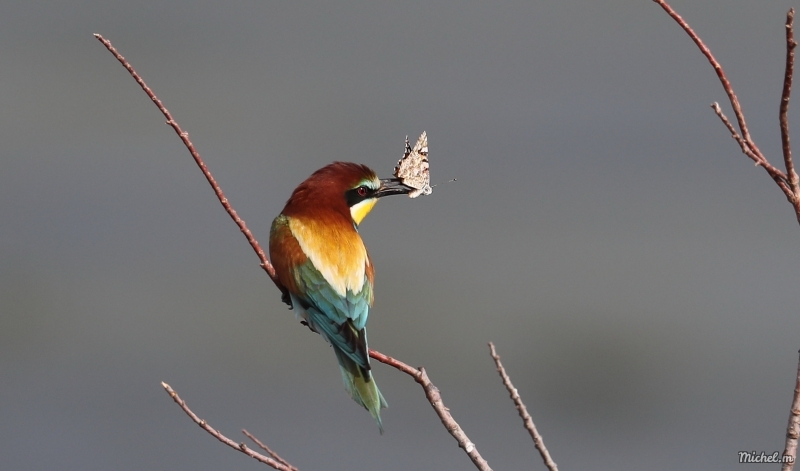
(188, 143)
(267, 449)
(432, 393)
(784, 108)
(538, 442)
(219, 436)
(737, 108)
(776, 174)
(793, 429)
(787, 184)
(735, 134)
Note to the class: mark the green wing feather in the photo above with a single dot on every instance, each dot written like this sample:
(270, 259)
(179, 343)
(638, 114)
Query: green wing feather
(342, 320)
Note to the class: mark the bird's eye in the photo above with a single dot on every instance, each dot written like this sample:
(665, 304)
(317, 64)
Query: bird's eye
(362, 191)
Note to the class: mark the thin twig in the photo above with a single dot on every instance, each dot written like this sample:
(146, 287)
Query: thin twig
(200, 163)
(745, 141)
(793, 429)
(219, 436)
(267, 449)
(737, 108)
(784, 108)
(788, 182)
(735, 134)
(779, 179)
(432, 393)
(538, 442)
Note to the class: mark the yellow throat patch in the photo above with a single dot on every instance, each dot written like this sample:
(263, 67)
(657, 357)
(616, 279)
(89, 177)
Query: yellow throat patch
(359, 211)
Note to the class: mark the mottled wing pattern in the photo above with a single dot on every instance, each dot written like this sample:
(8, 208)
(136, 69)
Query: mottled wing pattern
(413, 169)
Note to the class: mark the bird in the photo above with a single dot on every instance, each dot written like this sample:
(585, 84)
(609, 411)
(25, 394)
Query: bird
(324, 270)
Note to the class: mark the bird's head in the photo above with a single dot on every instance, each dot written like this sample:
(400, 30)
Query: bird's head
(344, 187)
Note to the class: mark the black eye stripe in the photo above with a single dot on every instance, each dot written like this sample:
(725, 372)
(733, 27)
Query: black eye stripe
(358, 194)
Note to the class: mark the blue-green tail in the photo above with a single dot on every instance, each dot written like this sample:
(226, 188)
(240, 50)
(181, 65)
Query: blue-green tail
(360, 384)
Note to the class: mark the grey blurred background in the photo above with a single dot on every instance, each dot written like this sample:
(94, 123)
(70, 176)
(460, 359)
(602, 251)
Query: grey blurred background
(637, 273)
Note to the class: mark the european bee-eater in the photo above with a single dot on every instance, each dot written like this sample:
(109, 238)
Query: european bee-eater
(320, 259)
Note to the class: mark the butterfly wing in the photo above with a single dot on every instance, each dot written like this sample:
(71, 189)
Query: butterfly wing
(414, 169)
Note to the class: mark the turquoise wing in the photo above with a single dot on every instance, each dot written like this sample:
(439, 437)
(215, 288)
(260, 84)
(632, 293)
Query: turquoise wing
(341, 320)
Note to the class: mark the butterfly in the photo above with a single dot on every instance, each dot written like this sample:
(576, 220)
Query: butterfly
(413, 168)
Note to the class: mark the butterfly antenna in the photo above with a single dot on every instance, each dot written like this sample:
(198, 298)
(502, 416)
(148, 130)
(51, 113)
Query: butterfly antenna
(448, 181)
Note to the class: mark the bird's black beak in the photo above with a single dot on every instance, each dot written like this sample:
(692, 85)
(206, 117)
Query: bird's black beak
(392, 186)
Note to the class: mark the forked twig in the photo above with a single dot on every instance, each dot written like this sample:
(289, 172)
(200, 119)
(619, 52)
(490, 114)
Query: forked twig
(538, 442)
(726, 84)
(787, 184)
(419, 374)
(267, 449)
(793, 429)
(735, 134)
(281, 465)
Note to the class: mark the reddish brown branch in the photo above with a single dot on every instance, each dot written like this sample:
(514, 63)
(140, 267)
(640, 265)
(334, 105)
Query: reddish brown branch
(745, 141)
(200, 163)
(432, 393)
(779, 179)
(793, 429)
(791, 44)
(787, 182)
(538, 442)
(267, 449)
(279, 465)
(737, 108)
(735, 134)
